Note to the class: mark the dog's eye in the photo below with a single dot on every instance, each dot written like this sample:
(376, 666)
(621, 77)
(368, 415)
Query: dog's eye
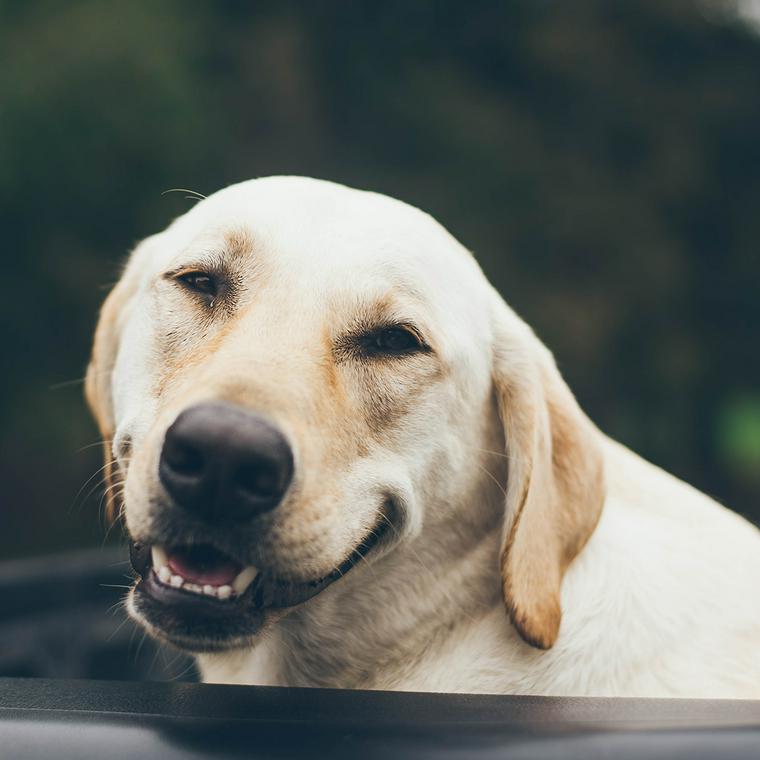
(391, 341)
(200, 282)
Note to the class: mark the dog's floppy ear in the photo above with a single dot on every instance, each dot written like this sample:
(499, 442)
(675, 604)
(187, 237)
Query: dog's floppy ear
(555, 479)
(98, 378)
(97, 386)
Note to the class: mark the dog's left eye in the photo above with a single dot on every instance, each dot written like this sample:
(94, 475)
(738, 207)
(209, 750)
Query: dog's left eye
(200, 282)
(391, 341)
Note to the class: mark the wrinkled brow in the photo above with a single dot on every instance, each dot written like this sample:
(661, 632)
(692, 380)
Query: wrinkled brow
(216, 251)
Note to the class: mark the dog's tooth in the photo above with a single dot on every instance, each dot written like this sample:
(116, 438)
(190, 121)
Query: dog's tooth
(244, 579)
(176, 581)
(194, 587)
(164, 574)
(158, 555)
(224, 592)
(209, 590)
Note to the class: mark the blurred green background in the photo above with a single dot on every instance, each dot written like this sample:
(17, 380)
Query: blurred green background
(602, 159)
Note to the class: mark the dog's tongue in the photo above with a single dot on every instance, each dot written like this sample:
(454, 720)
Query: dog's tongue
(203, 565)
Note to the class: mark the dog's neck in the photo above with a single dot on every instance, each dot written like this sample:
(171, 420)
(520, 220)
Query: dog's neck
(382, 623)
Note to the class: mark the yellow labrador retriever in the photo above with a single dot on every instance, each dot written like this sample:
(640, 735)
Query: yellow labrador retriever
(340, 456)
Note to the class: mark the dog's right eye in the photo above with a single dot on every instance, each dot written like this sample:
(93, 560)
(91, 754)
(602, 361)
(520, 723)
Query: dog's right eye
(199, 282)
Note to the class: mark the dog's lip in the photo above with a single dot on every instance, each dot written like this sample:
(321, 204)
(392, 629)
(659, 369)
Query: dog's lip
(262, 592)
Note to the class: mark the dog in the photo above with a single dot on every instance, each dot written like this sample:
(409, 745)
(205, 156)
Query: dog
(343, 461)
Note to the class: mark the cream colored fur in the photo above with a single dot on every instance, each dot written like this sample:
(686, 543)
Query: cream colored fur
(531, 553)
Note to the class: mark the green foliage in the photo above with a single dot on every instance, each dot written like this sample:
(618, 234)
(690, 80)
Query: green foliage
(739, 435)
(601, 158)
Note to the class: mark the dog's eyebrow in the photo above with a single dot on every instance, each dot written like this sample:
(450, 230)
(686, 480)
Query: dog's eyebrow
(238, 242)
(214, 252)
(196, 263)
(388, 311)
(383, 310)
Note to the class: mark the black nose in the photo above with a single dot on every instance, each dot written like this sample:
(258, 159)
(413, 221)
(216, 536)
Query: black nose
(222, 461)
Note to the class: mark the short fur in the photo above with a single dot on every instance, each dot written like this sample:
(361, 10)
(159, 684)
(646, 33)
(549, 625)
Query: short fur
(618, 579)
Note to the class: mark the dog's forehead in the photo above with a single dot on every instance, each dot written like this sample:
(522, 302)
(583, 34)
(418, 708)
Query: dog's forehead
(333, 253)
(323, 232)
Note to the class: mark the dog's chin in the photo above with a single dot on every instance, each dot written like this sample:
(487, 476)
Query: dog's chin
(198, 599)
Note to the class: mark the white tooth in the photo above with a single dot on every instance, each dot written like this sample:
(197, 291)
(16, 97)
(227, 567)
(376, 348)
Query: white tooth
(244, 579)
(209, 590)
(194, 587)
(224, 592)
(164, 574)
(176, 581)
(158, 555)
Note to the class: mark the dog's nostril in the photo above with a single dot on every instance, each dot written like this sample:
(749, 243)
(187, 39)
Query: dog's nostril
(259, 479)
(184, 460)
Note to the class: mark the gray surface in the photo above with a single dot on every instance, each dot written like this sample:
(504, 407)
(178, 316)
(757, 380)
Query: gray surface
(85, 719)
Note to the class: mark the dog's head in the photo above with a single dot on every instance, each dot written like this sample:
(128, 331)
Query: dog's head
(296, 377)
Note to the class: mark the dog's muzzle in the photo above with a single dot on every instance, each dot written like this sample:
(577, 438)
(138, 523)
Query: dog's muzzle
(225, 470)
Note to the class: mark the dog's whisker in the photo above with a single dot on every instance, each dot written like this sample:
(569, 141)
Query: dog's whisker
(99, 484)
(90, 446)
(193, 193)
(106, 520)
(114, 608)
(169, 663)
(114, 488)
(170, 666)
(118, 628)
(502, 454)
(371, 534)
(140, 646)
(66, 384)
(389, 522)
(111, 489)
(87, 482)
(110, 463)
(493, 478)
(156, 654)
(116, 521)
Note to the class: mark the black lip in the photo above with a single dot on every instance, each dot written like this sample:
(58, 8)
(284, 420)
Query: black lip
(276, 593)
(194, 622)
(211, 621)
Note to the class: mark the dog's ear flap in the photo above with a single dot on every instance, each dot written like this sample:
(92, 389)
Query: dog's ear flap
(100, 368)
(555, 481)
(98, 386)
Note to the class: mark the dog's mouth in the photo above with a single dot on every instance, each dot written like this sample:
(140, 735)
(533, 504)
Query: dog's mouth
(201, 599)
(200, 569)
